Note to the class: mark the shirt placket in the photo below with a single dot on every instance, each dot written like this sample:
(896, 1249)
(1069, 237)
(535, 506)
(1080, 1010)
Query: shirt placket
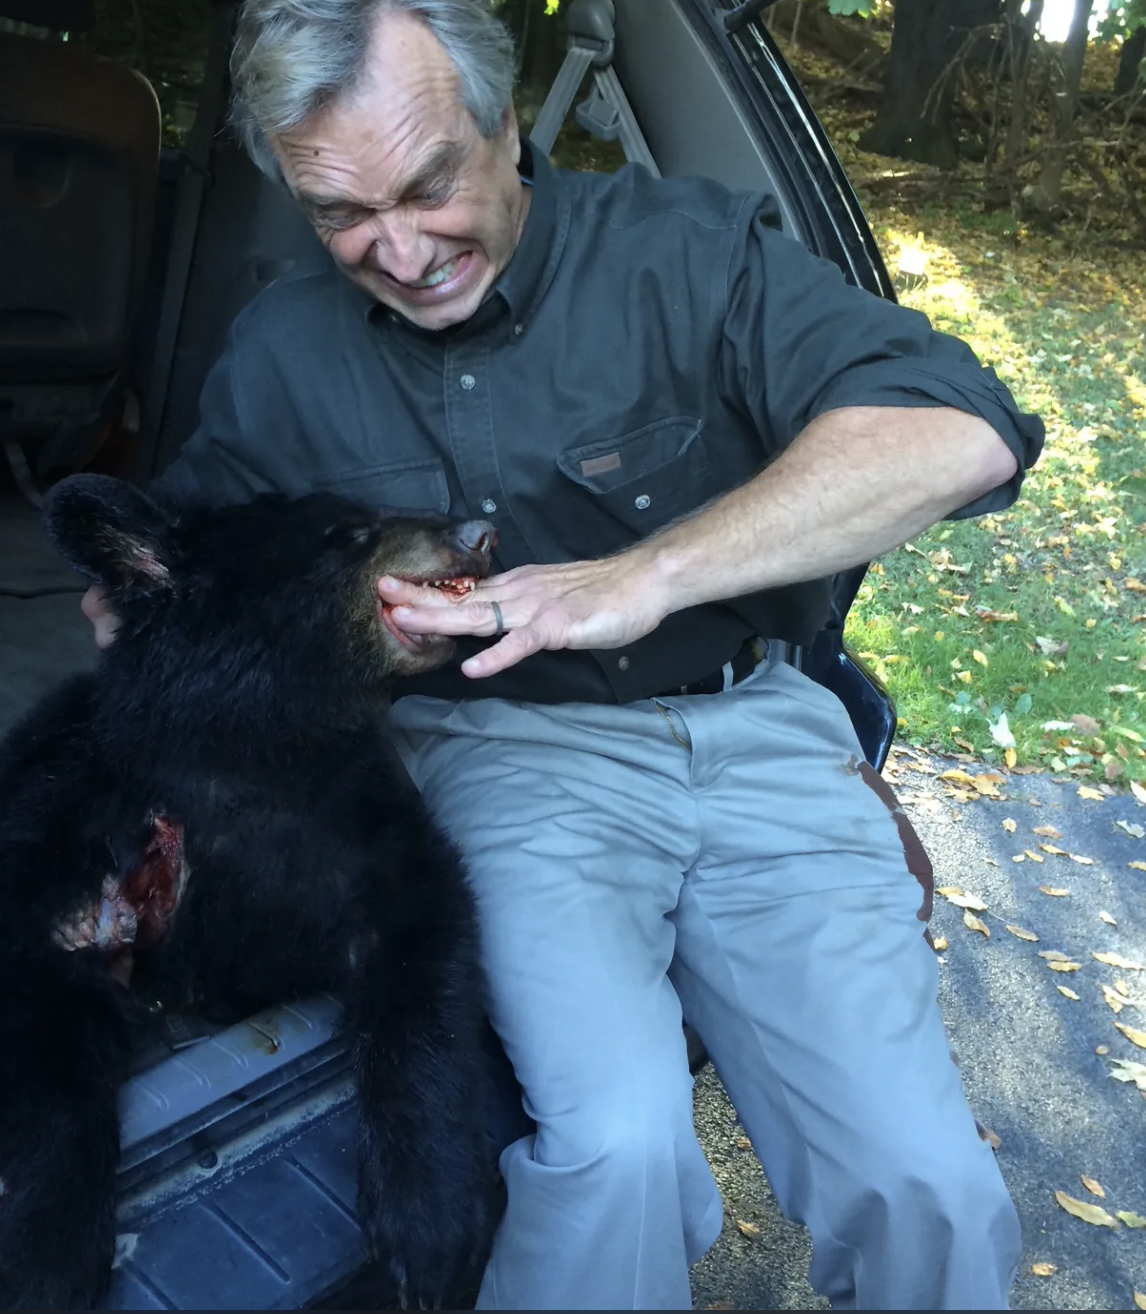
(468, 388)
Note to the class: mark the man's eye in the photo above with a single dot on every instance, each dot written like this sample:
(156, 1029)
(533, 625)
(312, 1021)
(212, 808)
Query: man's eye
(438, 193)
(339, 220)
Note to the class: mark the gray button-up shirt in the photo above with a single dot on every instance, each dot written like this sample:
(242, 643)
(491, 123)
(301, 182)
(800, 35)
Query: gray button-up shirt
(651, 345)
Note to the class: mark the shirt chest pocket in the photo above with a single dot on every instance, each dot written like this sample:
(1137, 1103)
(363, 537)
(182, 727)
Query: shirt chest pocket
(401, 486)
(645, 478)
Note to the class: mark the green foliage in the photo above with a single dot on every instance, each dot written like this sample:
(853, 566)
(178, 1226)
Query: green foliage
(865, 8)
(1121, 18)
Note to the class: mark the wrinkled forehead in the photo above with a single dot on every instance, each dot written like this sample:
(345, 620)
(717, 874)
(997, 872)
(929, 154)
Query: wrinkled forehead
(406, 98)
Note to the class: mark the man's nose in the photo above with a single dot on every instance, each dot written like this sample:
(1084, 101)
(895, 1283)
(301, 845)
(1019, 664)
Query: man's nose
(400, 249)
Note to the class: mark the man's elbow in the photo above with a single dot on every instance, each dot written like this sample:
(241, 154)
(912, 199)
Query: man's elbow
(994, 463)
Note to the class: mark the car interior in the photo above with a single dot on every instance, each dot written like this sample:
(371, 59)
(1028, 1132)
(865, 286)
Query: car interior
(124, 257)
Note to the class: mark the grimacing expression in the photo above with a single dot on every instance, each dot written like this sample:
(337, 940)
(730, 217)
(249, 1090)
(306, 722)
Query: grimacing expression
(413, 203)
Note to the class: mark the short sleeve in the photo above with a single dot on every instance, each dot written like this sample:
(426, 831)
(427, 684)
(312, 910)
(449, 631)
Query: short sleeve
(799, 340)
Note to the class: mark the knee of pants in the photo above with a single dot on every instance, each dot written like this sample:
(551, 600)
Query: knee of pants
(930, 1200)
(620, 1130)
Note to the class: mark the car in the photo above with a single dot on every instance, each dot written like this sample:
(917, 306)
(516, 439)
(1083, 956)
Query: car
(122, 268)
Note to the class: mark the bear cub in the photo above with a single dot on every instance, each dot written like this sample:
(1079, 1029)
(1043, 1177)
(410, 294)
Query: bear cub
(212, 819)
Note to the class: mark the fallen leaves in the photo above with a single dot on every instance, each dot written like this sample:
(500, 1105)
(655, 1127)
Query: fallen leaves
(961, 899)
(1064, 967)
(1089, 1213)
(1132, 1034)
(1112, 997)
(974, 924)
(1022, 934)
(1043, 1269)
(1104, 916)
(1132, 828)
(1010, 825)
(1085, 791)
(1140, 1299)
(1054, 892)
(1116, 960)
(1067, 991)
(1129, 1070)
(749, 1230)
(1049, 831)
(1130, 1219)
(1092, 1186)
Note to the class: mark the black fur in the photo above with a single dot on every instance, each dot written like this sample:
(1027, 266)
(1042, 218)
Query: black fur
(237, 711)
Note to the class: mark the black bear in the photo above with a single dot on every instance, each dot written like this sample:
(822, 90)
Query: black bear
(212, 819)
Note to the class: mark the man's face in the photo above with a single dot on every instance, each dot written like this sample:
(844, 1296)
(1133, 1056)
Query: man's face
(411, 201)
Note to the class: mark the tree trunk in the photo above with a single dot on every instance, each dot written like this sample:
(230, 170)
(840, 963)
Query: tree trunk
(1046, 193)
(1021, 30)
(1133, 50)
(914, 118)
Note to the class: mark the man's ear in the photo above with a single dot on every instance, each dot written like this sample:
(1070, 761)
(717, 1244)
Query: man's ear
(109, 531)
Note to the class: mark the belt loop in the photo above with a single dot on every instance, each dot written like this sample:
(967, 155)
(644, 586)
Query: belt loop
(727, 672)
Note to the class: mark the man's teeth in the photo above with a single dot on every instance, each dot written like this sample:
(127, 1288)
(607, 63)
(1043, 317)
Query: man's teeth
(438, 276)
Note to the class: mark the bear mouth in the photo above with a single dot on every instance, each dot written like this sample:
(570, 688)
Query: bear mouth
(455, 587)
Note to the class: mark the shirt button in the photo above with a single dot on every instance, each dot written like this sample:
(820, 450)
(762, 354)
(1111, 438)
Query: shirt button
(623, 663)
(643, 502)
(468, 382)
(489, 506)
(518, 330)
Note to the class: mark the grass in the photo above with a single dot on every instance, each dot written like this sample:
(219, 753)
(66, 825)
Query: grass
(1038, 613)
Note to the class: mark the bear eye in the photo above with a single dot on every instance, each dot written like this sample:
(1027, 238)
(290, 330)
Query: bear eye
(359, 535)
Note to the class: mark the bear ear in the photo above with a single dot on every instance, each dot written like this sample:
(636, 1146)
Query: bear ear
(109, 531)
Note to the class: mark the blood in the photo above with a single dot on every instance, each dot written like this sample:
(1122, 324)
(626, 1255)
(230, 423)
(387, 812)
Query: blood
(154, 887)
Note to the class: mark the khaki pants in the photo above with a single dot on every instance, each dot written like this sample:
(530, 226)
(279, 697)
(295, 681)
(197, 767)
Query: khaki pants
(720, 854)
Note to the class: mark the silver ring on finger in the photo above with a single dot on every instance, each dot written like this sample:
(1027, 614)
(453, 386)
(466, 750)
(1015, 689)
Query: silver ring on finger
(498, 619)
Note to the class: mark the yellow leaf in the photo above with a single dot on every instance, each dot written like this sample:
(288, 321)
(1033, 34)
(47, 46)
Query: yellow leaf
(1137, 790)
(1054, 892)
(1093, 1187)
(974, 924)
(960, 777)
(1132, 1034)
(948, 890)
(988, 783)
(1049, 832)
(1043, 1269)
(1089, 1213)
(1115, 1000)
(1054, 956)
(1116, 960)
(1010, 757)
(1138, 866)
(1102, 1049)
(1139, 1299)
(1104, 916)
(1122, 988)
(1085, 791)
(971, 901)
(743, 1143)
(1082, 862)
(1066, 990)
(1023, 935)
(1010, 825)
(1130, 1219)
(747, 1229)
(965, 676)
(1052, 848)
(939, 943)
(980, 657)
(1064, 967)
(1034, 857)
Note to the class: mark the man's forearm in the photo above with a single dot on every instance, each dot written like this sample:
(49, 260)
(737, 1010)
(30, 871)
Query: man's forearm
(856, 483)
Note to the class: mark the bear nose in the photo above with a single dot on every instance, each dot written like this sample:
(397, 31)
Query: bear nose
(476, 536)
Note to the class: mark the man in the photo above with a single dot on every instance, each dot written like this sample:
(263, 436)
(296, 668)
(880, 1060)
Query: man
(652, 814)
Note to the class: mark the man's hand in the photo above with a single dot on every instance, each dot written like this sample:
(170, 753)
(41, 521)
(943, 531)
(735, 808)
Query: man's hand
(104, 621)
(585, 604)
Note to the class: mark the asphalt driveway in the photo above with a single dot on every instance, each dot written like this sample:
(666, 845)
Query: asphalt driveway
(1027, 1051)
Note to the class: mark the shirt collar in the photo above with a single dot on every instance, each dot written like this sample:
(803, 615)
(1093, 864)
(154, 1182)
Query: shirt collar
(530, 271)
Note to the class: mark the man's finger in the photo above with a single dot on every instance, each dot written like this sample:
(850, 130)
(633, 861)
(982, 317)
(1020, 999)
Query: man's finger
(514, 648)
(476, 618)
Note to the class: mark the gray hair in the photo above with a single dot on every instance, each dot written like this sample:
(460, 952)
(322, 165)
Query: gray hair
(292, 58)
